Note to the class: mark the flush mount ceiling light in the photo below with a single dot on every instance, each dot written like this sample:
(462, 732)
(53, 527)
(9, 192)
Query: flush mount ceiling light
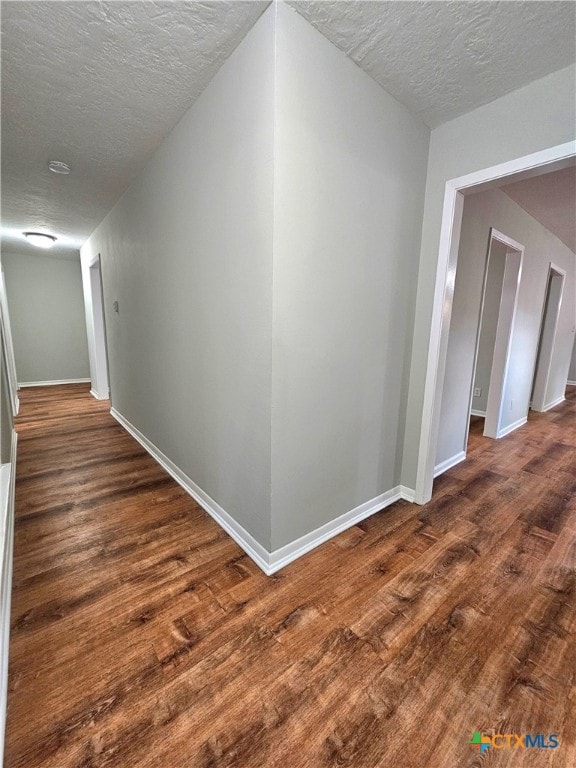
(39, 239)
(58, 167)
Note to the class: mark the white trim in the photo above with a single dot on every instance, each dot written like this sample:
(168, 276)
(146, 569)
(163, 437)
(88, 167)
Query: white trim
(545, 160)
(52, 383)
(571, 383)
(279, 558)
(544, 363)
(7, 480)
(511, 427)
(553, 404)
(504, 333)
(269, 562)
(8, 347)
(474, 412)
(408, 494)
(444, 466)
(97, 396)
(240, 535)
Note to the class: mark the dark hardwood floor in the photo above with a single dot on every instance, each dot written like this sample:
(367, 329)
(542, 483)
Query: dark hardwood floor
(142, 636)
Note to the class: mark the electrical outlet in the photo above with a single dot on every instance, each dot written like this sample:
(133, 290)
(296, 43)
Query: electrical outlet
(477, 391)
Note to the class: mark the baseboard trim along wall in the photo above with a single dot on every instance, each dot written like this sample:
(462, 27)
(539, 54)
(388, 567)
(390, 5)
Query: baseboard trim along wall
(478, 413)
(52, 383)
(7, 480)
(571, 383)
(444, 466)
(554, 403)
(269, 562)
(98, 396)
(517, 424)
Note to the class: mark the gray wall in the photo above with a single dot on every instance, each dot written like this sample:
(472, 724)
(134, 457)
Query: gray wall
(350, 176)
(5, 415)
(572, 371)
(481, 212)
(46, 317)
(187, 254)
(489, 324)
(533, 118)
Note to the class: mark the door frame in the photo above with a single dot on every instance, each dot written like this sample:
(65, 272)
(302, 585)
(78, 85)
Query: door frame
(504, 334)
(545, 161)
(553, 269)
(100, 375)
(8, 346)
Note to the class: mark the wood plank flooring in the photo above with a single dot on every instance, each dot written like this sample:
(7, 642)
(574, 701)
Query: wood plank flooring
(143, 637)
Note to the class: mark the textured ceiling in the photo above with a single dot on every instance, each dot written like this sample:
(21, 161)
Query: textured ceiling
(99, 84)
(442, 59)
(551, 200)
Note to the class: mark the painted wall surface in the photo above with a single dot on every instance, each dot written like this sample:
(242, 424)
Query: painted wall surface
(5, 415)
(47, 317)
(350, 176)
(489, 324)
(187, 254)
(481, 212)
(533, 118)
(572, 371)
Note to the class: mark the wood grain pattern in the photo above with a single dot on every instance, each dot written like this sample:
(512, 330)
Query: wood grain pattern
(143, 637)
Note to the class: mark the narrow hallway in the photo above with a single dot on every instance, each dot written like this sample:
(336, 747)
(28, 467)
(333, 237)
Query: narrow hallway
(142, 636)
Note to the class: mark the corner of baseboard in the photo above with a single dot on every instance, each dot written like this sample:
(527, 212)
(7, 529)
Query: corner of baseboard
(235, 530)
(444, 466)
(408, 494)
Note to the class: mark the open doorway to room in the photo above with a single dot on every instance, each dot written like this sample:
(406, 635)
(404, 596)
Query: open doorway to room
(497, 314)
(99, 357)
(446, 401)
(550, 314)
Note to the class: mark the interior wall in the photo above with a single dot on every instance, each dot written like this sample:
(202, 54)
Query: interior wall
(481, 212)
(489, 324)
(350, 176)
(187, 254)
(46, 317)
(533, 118)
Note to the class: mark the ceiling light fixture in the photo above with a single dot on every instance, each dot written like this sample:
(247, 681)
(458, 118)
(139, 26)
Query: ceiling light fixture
(56, 166)
(39, 239)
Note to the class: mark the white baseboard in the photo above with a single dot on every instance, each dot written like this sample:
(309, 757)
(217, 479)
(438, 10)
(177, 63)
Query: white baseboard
(516, 425)
(571, 383)
(269, 562)
(474, 412)
(7, 480)
(98, 396)
(240, 535)
(554, 403)
(52, 383)
(281, 557)
(444, 466)
(408, 494)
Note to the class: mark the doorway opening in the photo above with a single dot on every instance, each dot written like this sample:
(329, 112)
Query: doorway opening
(544, 161)
(548, 327)
(498, 311)
(99, 373)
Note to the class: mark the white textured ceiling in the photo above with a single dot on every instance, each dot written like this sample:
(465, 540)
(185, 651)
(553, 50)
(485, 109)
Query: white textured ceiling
(99, 84)
(442, 59)
(551, 200)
